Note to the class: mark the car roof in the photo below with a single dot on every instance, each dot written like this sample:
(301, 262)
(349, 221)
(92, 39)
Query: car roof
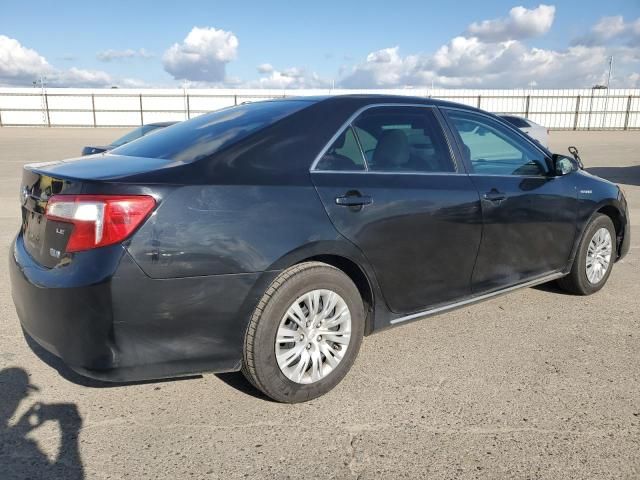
(374, 98)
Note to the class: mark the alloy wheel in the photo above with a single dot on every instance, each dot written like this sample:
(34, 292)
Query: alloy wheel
(598, 256)
(313, 336)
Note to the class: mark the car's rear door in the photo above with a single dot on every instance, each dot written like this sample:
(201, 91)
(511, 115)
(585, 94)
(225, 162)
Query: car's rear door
(389, 183)
(529, 214)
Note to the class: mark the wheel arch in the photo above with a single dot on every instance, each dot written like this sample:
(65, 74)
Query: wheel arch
(358, 276)
(345, 256)
(617, 218)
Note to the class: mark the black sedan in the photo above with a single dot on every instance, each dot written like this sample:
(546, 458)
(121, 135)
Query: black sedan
(129, 137)
(271, 237)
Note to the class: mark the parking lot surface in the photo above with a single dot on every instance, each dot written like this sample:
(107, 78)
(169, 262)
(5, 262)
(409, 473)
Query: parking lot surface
(535, 384)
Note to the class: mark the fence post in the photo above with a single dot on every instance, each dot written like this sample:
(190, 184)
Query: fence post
(188, 108)
(626, 115)
(526, 107)
(141, 114)
(0, 118)
(46, 106)
(575, 117)
(93, 109)
(479, 100)
(235, 99)
(590, 110)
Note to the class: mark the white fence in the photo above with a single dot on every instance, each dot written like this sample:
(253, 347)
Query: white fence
(586, 109)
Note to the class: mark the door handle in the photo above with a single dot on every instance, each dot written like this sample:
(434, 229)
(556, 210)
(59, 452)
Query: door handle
(494, 196)
(354, 200)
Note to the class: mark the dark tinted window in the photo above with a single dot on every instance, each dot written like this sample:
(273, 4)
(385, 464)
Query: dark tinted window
(344, 154)
(516, 121)
(494, 149)
(204, 135)
(403, 139)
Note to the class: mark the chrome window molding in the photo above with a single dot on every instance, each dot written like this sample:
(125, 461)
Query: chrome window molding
(547, 176)
(356, 114)
(382, 172)
(364, 156)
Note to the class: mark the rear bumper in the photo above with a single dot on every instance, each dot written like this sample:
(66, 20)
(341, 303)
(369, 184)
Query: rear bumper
(107, 320)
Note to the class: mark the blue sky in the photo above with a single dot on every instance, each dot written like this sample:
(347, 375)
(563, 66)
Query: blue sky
(315, 44)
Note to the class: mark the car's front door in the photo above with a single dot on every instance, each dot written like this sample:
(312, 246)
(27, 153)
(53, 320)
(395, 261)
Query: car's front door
(529, 214)
(390, 185)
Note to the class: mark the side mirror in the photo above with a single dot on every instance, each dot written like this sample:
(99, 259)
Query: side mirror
(574, 151)
(563, 165)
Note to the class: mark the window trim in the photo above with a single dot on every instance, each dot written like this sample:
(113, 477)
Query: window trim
(349, 123)
(469, 166)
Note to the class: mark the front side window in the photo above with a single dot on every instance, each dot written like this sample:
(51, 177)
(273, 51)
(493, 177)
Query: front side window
(493, 149)
(403, 139)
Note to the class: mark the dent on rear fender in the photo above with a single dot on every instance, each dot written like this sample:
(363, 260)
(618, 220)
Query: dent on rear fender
(228, 229)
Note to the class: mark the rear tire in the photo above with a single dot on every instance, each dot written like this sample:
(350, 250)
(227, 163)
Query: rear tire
(285, 355)
(592, 250)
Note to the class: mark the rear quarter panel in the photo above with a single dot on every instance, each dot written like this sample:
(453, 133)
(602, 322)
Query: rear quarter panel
(229, 229)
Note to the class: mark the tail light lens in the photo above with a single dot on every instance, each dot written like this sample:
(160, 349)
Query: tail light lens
(99, 220)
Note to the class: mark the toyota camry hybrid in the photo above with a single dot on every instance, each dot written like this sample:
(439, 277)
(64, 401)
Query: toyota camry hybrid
(271, 237)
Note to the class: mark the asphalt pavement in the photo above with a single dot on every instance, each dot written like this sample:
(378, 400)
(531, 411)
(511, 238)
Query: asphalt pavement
(534, 384)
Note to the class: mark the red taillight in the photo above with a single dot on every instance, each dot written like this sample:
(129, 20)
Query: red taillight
(99, 220)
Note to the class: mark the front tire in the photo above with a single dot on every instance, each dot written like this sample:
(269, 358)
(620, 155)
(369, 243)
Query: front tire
(594, 259)
(305, 333)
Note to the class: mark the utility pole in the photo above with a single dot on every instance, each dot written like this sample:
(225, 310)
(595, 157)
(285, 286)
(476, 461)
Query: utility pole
(606, 100)
(44, 101)
(610, 71)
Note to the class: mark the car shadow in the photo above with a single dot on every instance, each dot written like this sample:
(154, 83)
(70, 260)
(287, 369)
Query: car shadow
(550, 287)
(20, 454)
(237, 381)
(70, 375)
(629, 175)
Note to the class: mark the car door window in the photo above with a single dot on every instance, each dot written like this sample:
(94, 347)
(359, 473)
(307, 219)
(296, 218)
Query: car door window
(493, 149)
(343, 155)
(403, 139)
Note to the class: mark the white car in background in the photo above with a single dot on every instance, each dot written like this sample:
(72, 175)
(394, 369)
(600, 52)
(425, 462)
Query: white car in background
(535, 131)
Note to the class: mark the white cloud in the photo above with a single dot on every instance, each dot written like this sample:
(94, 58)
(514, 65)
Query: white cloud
(202, 56)
(265, 68)
(20, 65)
(293, 77)
(111, 55)
(78, 77)
(612, 30)
(520, 24)
(382, 68)
(480, 60)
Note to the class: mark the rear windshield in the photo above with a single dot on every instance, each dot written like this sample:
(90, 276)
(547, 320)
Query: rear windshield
(205, 135)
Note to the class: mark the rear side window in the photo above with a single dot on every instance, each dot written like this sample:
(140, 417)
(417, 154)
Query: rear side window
(397, 139)
(343, 155)
(207, 134)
